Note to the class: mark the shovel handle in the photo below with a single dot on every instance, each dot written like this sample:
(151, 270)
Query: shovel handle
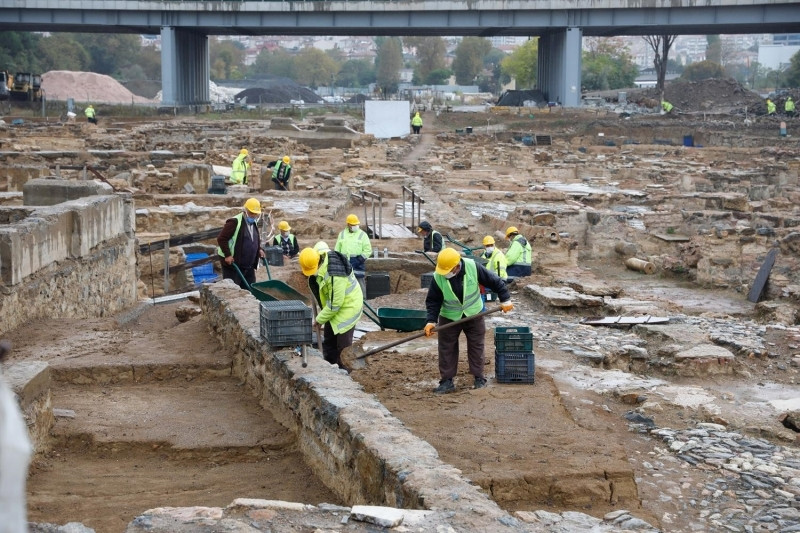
(317, 326)
(422, 333)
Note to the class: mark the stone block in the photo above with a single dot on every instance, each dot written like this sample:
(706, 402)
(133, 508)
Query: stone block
(56, 191)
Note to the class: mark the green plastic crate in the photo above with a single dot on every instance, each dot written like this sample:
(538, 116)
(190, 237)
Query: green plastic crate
(513, 339)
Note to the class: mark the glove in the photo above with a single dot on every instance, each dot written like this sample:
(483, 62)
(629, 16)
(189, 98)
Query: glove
(506, 306)
(429, 329)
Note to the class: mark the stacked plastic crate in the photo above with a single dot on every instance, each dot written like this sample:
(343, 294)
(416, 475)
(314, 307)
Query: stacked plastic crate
(513, 356)
(285, 323)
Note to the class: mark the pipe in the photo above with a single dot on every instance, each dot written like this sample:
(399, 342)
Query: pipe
(640, 265)
(554, 237)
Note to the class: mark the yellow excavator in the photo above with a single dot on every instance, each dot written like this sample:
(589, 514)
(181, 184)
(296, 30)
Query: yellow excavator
(26, 86)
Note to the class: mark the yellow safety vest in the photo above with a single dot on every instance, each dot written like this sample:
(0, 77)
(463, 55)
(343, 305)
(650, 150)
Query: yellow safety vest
(472, 304)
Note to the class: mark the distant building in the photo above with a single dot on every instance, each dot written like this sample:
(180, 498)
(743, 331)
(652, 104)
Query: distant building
(776, 56)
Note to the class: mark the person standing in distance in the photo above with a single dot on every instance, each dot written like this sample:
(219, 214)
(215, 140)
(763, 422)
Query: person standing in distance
(431, 239)
(353, 243)
(239, 243)
(240, 169)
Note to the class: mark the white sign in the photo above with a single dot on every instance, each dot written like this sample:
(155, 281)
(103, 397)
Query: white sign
(387, 118)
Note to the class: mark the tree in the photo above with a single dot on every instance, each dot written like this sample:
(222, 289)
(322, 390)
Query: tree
(109, 52)
(606, 64)
(439, 76)
(19, 51)
(792, 74)
(703, 70)
(468, 62)
(313, 67)
(388, 63)
(522, 63)
(60, 51)
(429, 52)
(714, 49)
(356, 73)
(660, 44)
(275, 63)
(227, 59)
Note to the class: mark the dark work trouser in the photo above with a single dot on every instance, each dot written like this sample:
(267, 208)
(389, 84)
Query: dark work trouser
(518, 271)
(333, 345)
(475, 331)
(228, 272)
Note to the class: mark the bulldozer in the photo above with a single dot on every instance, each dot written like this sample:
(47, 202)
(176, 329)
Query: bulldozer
(26, 86)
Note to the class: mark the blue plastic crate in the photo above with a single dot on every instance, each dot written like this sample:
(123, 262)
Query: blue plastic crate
(513, 339)
(285, 323)
(202, 273)
(514, 367)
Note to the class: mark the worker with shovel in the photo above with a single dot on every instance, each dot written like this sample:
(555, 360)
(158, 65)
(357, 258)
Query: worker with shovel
(281, 171)
(239, 242)
(334, 286)
(455, 293)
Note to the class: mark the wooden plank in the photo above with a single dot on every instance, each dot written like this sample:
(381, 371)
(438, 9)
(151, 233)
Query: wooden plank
(761, 278)
(179, 240)
(671, 237)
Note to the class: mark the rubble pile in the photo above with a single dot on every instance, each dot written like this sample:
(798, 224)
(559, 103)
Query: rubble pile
(722, 95)
(276, 91)
(87, 87)
(518, 98)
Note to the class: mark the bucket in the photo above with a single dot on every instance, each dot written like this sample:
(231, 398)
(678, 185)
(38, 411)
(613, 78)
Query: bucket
(688, 140)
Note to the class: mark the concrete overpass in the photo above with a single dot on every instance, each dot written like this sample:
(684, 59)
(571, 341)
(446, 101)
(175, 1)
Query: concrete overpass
(184, 26)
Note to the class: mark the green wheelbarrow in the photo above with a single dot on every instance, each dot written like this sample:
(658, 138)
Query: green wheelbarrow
(267, 291)
(398, 319)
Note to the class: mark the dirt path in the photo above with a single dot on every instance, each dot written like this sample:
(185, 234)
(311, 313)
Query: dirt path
(158, 421)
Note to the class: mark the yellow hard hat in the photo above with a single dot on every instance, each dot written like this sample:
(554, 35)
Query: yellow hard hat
(510, 230)
(322, 247)
(283, 226)
(352, 220)
(488, 240)
(309, 261)
(253, 205)
(90, 105)
(447, 260)
(243, 151)
(286, 159)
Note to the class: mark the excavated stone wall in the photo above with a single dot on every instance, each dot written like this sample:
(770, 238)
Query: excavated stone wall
(74, 259)
(350, 440)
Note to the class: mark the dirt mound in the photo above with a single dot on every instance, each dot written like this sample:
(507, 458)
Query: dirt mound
(87, 87)
(719, 95)
(518, 98)
(278, 94)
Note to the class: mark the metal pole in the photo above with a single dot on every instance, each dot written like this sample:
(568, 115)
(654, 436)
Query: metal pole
(374, 221)
(166, 266)
(380, 213)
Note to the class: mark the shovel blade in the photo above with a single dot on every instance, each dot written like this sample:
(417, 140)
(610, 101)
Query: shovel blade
(350, 357)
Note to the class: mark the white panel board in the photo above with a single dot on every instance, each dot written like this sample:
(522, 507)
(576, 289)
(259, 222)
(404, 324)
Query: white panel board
(385, 119)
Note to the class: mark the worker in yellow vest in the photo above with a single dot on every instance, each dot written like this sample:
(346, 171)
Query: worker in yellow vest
(454, 294)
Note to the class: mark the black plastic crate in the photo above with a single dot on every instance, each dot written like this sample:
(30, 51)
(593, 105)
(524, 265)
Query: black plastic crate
(274, 255)
(514, 367)
(285, 323)
(513, 339)
(377, 284)
(425, 280)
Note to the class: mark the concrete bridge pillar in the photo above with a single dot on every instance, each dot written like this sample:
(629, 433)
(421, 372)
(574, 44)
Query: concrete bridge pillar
(559, 69)
(184, 67)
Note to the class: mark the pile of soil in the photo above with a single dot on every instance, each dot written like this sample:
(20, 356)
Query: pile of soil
(277, 94)
(518, 98)
(723, 95)
(87, 87)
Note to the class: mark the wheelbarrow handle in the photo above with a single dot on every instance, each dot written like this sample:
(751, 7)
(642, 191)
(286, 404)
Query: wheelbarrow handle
(422, 333)
(426, 256)
(246, 284)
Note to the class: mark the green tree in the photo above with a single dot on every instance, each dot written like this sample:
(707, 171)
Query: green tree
(606, 64)
(468, 62)
(313, 67)
(226, 58)
(714, 49)
(19, 51)
(430, 52)
(149, 59)
(356, 73)
(274, 63)
(522, 63)
(439, 76)
(61, 51)
(792, 74)
(110, 52)
(388, 63)
(703, 70)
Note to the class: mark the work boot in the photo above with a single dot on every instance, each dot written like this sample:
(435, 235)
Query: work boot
(445, 386)
(479, 383)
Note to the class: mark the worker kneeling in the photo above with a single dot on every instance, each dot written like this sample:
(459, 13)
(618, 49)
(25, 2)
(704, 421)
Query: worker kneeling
(454, 294)
(333, 284)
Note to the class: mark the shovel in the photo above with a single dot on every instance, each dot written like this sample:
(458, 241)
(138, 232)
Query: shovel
(317, 327)
(354, 360)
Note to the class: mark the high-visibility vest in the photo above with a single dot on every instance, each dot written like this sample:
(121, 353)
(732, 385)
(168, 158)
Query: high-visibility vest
(519, 253)
(341, 298)
(351, 244)
(497, 263)
(471, 303)
(239, 170)
(232, 241)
